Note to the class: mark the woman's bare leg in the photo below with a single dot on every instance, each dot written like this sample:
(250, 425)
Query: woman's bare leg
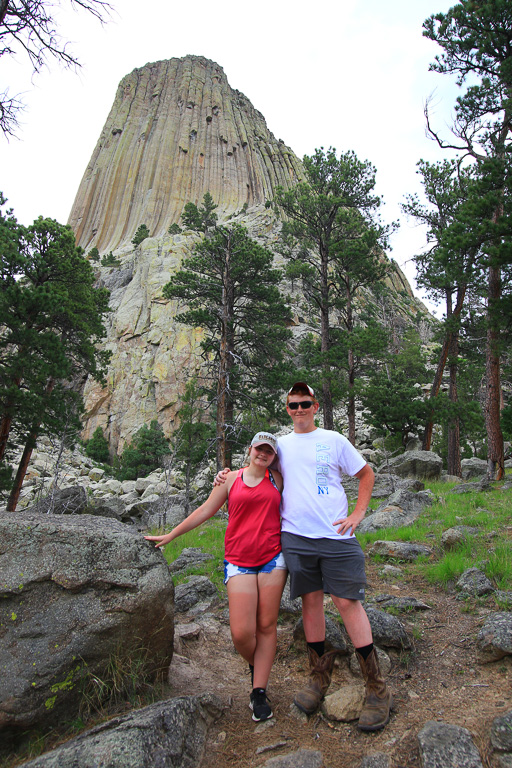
(270, 589)
(243, 606)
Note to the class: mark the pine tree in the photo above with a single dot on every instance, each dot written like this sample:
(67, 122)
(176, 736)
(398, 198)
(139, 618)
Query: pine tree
(392, 397)
(195, 433)
(333, 241)
(231, 292)
(476, 38)
(446, 274)
(51, 320)
(97, 447)
(145, 453)
(141, 234)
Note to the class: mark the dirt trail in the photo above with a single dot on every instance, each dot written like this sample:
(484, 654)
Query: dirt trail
(440, 679)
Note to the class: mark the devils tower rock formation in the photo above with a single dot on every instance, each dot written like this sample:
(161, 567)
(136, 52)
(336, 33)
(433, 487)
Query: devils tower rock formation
(176, 130)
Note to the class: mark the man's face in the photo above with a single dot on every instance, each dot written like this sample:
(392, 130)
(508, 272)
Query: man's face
(303, 417)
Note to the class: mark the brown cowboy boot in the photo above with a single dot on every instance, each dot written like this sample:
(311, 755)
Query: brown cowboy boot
(378, 701)
(319, 680)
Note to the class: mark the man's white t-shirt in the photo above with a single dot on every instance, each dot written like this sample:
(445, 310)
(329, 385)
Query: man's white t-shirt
(313, 496)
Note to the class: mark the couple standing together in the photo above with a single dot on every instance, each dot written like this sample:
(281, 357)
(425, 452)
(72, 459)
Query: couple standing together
(296, 520)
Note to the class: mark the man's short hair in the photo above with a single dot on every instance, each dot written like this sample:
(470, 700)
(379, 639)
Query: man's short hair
(301, 388)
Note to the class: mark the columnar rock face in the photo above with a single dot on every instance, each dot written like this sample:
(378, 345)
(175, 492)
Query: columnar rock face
(176, 130)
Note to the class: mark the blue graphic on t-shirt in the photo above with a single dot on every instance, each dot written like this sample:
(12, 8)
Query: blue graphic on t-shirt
(322, 468)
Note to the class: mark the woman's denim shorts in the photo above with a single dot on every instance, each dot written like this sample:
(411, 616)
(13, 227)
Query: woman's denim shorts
(230, 570)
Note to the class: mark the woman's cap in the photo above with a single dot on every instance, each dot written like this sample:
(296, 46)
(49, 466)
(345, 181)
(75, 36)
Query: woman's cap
(264, 438)
(301, 386)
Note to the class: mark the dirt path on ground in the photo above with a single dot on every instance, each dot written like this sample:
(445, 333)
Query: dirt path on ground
(440, 679)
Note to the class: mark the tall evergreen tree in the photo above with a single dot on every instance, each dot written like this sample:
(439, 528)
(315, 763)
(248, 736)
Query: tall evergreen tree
(446, 274)
(392, 398)
(476, 38)
(231, 292)
(145, 453)
(51, 319)
(333, 240)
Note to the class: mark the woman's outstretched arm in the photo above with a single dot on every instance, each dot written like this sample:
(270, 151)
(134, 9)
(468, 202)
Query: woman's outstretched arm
(212, 504)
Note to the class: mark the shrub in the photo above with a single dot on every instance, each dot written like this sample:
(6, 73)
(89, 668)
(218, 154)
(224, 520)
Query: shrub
(110, 261)
(144, 454)
(140, 235)
(97, 447)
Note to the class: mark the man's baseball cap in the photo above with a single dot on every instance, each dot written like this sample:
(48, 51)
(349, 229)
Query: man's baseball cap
(302, 385)
(264, 438)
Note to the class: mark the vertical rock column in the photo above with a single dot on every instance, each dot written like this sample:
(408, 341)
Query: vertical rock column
(175, 131)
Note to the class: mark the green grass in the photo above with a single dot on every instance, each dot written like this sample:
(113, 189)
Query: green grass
(490, 549)
(210, 538)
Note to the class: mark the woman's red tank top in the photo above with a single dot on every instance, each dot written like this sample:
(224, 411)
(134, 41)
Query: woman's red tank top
(253, 535)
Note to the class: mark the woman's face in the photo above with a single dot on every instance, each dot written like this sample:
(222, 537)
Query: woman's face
(262, 455)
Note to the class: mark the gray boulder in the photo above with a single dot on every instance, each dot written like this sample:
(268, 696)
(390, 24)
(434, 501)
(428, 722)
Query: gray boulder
(288, 605)
(389, 516)
(402, 508)
(377, 760)
(495, 638)
(400, 550)
(335, 635)
(68, 501)
(474, 583)
(447, 746)
(164, 514)
(387, 630)
(170, 733)
(457, 535)
(302, 758)
(189, 557)
(77, 592)
(409, 501)
(422, 464)
(112, 507)
(501, 733)
(482, 485)
(385, 485)
(405, 604)
(473, 468)
(195, 590)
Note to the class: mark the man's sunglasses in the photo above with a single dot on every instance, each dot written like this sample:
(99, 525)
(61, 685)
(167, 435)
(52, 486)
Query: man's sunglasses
(304, 404)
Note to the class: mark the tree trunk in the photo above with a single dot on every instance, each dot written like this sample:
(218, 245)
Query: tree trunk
(495, 448)
(27, 453)
(22, 471)
(224, 396)
(451, 316)
(324, 341)
(453, 464)
(5, 428)
(351, 401)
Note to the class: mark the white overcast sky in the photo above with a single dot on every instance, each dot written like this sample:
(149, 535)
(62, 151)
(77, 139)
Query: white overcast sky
(352, 74)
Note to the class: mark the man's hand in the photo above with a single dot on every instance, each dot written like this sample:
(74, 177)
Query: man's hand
(220, 477)
(352, 521)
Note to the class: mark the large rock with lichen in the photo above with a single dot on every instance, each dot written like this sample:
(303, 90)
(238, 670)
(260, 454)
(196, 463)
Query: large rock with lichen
(80, 596)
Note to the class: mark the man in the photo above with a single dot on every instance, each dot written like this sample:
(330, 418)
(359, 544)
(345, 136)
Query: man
(321, 551)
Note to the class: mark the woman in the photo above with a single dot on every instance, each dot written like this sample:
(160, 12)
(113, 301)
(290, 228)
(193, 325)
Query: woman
(254, 568)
